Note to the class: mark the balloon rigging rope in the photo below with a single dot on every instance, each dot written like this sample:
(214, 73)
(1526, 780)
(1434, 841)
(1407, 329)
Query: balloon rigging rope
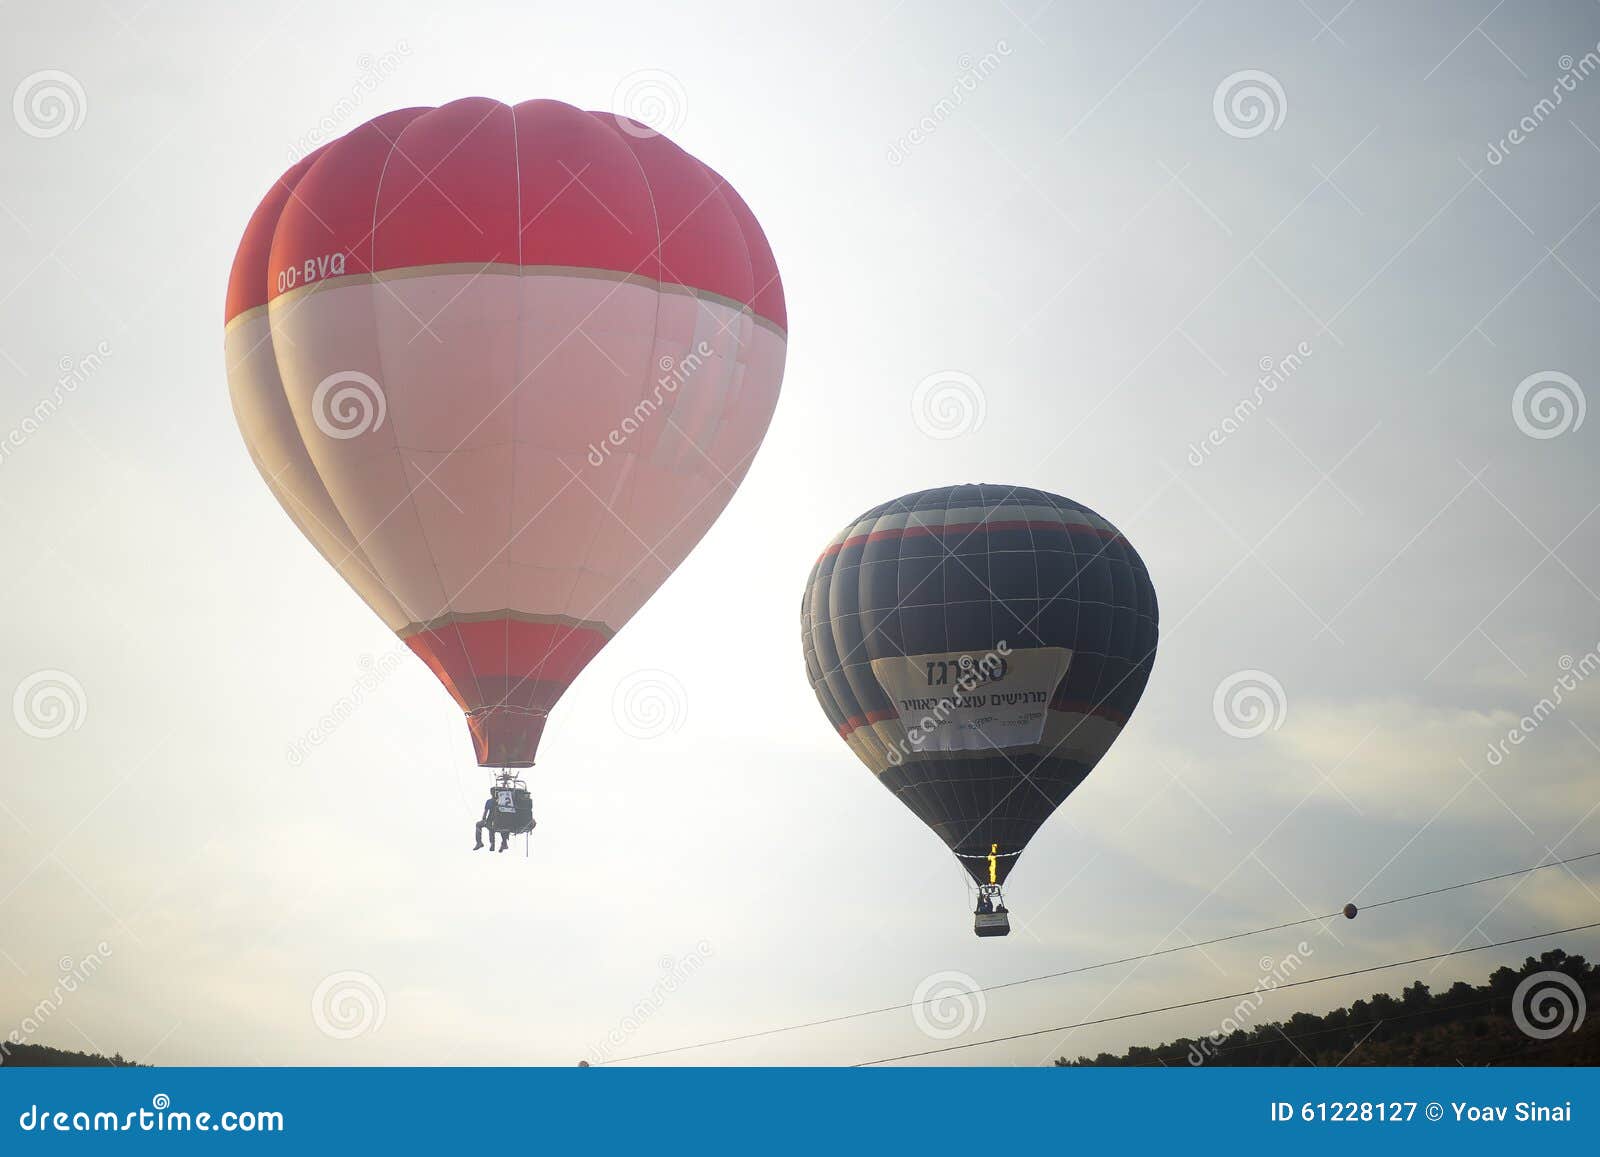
(1138, 957)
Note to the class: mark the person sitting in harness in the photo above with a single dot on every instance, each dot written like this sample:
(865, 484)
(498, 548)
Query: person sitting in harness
(488, 821)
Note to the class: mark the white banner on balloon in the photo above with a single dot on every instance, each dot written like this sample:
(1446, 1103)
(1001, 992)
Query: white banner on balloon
(973, 701)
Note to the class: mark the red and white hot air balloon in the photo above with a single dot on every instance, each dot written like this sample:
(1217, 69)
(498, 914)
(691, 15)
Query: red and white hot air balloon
(504, 365)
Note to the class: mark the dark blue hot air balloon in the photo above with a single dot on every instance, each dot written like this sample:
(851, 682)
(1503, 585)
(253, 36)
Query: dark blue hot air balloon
(980, 647)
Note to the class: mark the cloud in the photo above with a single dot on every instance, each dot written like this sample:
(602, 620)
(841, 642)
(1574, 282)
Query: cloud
(1406, 760)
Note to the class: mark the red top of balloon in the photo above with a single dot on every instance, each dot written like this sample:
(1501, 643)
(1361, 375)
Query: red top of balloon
(479, 182)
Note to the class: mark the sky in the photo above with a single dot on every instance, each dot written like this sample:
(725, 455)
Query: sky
(1300, 296)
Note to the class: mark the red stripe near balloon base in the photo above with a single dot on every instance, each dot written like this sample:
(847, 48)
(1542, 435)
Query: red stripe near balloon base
(507, 673)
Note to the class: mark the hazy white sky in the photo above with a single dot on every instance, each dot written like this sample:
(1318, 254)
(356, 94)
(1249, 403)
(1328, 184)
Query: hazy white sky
(1057, 201)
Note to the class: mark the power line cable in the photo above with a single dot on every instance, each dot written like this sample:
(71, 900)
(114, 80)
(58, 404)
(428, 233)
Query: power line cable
(1093, 967)
(1228, 996)
(1269, 1042)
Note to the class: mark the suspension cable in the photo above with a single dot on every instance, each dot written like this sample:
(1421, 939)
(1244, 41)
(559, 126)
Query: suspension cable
(1228, 996)
(1102, 964)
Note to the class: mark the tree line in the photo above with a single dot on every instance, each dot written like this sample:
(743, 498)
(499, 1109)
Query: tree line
(1463, 1024)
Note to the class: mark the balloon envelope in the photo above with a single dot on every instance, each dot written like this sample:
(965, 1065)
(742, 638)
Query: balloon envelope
(979, 648)
(503, 366)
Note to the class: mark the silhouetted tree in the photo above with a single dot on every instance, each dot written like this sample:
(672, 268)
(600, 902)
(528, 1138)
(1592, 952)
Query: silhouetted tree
(1466, 1024)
